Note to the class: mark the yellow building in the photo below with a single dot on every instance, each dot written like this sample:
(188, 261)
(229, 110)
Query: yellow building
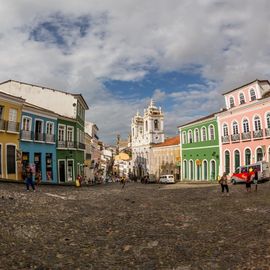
(165, 158)
(10, 116)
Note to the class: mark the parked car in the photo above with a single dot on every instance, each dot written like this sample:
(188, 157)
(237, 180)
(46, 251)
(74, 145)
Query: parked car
(167, 179)
(241, 173)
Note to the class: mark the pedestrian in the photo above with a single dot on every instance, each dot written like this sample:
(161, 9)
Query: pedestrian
(248, 180)
(28, 178)
(255, 179)
(224, 183)
(123, 182)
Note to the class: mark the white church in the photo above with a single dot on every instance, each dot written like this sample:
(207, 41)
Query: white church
(146, 131)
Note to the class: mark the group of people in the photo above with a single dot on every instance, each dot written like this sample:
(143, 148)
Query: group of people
(251, 176)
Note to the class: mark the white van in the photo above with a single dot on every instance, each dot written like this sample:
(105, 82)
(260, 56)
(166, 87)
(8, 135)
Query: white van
(167, 179)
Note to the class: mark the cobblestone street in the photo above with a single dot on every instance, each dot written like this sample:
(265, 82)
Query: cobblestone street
(140, 227)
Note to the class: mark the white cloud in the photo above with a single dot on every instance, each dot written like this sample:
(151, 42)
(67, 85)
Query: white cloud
(226, 42)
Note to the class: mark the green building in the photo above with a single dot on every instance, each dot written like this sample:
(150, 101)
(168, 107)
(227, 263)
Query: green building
(200, 149)
(71, 143)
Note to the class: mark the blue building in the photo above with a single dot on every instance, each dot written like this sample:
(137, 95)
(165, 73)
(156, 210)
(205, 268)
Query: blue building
(38, 142)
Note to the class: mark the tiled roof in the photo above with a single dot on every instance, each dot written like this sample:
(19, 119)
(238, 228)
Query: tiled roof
(169, 142)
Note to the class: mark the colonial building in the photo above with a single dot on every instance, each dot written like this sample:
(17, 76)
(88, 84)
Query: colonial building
(245, 126)
(200, 149)
(146, 131)
(165, 158)
(10, 116)
(37, 141)
(70, 128)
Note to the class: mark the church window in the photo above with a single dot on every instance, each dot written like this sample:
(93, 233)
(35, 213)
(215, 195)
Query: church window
(156, 124)
(146, 126)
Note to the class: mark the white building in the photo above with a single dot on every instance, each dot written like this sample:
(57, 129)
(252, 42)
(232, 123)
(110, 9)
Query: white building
(146, 130)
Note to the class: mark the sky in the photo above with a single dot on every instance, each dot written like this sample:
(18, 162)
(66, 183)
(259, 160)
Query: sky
(121, 53)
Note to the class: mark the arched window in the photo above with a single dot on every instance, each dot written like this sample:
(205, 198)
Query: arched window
(268, 120)
(190, 137)
(241, 98)
(211, 132)
(205, 172)
(247, 156)
(185, 170)
(146, 126)
(245, 126)
(231, 102)
(259, 154)
(257, 123)
(156, 124)
(197, 136)
(235, 128)
(213, 169)
(198, 171)
(203, 134)
(227, 161)
(184, 138)
(236, 159)
(225, 130)
(133, 132)
(252, 94)
(191, 170)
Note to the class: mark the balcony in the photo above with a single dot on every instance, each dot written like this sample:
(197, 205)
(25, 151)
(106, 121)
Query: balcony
(81, 145)
(49, 138)
(246, 136)
(61, 144)
(267, 132)
(225, 139)
(12, 126)
(235, 137)
(258, 134)
(26, 135)
(70, 144)
(39, 137)
(2, 124)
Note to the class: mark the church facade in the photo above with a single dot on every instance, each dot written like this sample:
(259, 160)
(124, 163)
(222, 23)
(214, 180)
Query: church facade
(146, 131)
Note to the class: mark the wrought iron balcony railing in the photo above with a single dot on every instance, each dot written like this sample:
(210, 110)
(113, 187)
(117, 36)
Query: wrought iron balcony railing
(26, 135)
(12, 126)
(267, 132)
(2, 124)
(235, 137)
(49, 138)
(225, 139)
(70, 144)
(257, 134)
(246, 136)
(39, 137)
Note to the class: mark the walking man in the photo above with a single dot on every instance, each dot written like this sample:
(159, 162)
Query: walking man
(28, 178)
(224, 183)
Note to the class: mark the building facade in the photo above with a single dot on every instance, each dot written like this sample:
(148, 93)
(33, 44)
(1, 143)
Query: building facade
(10, 116)
(37, 142)
(70, 128)
(146, 130)
(200, 149)
(165, 158)
(245, 126)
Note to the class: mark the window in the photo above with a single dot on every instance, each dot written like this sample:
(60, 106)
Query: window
(185, 169)
(225, 130)
(61, 133)
(236, 159)
(12, 120)
(49, 128)
(235, 128)
(190, 138)
(227, 162)
(231, 102)
(247, 156)
(11, 162)
(259, 155)
(211, 132)
(39, 130)
(1, 111)
(26, 124)
(268, 120)
(184, 137)
(204, 170)
(245, 126)
(203, 134)
(213, 169)
(156, 125)
(141, 130)
(146, 126)
(241, 98)
(257, 123)
(252, 94)
(196, 137)
(191, 170)
(70, 136)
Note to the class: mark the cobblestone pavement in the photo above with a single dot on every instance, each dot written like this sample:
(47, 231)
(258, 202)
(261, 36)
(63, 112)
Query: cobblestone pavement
(140, 227)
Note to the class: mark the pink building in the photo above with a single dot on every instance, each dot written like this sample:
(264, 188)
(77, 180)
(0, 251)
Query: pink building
(244, 127)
